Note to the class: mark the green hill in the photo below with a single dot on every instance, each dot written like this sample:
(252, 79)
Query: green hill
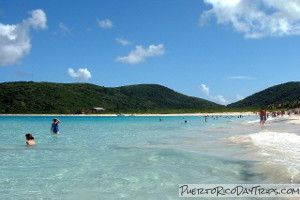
(285, 95)
(44, 97)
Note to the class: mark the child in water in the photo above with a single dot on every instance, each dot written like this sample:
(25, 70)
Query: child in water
(30, 140)
(54, 126)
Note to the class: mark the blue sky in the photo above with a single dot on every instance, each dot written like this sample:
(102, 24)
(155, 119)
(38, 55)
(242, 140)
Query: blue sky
(219, 50)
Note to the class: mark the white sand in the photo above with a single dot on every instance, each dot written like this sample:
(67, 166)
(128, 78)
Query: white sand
(293, 119)
(184, 114)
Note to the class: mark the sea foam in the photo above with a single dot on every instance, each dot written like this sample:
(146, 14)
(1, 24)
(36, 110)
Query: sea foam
(279, 151)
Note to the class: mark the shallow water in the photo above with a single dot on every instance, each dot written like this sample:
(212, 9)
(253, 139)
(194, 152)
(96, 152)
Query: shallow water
(138, 157)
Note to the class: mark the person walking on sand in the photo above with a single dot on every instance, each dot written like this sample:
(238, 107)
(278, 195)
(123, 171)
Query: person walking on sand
(54, 126)
(30, 140)
(263, 116)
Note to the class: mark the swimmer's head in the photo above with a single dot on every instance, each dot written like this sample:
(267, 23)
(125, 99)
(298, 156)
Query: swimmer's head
(29, 136)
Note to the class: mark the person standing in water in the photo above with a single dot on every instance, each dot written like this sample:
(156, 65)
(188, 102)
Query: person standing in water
(263, 116)
(54, 126)
(30, 140)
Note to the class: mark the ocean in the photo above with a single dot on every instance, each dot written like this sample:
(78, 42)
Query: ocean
(137, 157)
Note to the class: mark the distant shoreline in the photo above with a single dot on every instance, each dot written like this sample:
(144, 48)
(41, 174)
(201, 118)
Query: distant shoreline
(112, 115)
(293, 119)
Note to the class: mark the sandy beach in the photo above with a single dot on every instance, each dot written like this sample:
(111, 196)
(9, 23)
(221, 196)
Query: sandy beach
(181, 114)
(288, 119)
(293, 119)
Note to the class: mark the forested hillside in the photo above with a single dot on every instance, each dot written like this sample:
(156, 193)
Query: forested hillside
(44, 97)
(285, 95)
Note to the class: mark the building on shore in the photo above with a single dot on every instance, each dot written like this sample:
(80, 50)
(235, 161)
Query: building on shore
(98, 109)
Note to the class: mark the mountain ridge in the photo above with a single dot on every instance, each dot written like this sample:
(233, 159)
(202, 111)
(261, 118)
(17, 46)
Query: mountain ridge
(70, 98)
(287, 94)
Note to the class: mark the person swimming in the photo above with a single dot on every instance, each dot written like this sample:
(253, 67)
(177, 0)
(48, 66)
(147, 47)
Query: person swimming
(30, 140)
(54, 126)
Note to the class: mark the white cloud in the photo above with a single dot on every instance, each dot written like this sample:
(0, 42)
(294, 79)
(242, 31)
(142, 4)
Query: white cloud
(63, 27)
(15, 42)
(205, 89)
(257, 19)
(218, 98)
(106, 23)
(81, 75)
(140, 54)
(239, 97)
(38, 20)
(123, 41)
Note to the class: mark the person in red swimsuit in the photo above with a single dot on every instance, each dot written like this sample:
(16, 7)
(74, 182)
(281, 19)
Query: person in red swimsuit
(263, 116)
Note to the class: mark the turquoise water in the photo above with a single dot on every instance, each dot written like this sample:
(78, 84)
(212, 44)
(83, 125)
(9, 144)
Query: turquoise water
(122, 157)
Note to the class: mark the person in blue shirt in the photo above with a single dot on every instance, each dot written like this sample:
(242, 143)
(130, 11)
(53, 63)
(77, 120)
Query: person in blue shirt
(54, 126)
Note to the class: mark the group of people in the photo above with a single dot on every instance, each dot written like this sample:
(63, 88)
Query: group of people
(54, 126)
(264, 115)
(54, 129)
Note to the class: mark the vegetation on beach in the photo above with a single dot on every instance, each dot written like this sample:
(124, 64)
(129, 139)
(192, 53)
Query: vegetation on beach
(47, 98)
(282, 96)
(63, 98)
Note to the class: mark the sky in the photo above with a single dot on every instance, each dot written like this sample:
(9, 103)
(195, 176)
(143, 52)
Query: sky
(219, 50)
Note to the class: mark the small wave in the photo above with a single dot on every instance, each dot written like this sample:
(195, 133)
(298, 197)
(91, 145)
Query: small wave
(280, 150)
(282, 142)
(273, 142)
(258, 120)
(253, 121)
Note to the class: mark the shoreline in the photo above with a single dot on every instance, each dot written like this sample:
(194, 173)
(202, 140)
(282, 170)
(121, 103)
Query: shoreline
(290, 119)
(142, 115)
